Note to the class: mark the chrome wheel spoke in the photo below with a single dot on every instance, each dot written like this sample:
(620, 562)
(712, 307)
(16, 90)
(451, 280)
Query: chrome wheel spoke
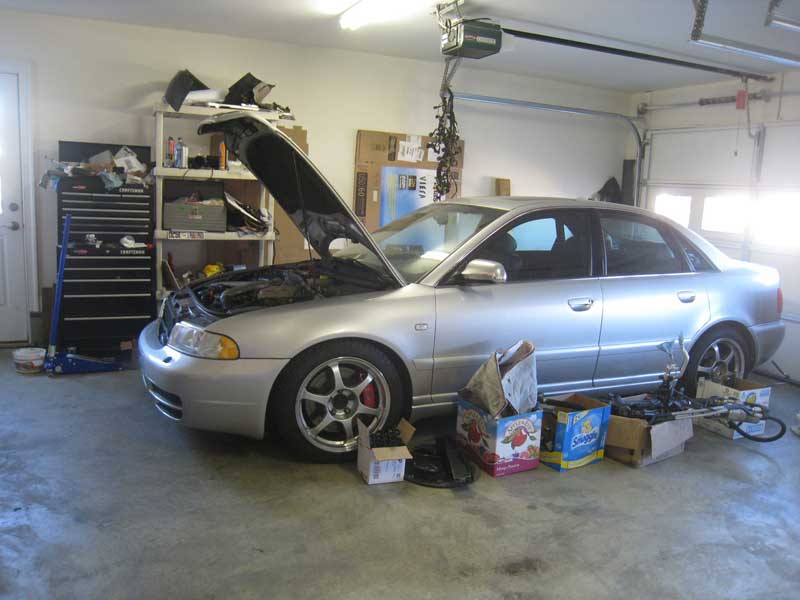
(362, 386)
(338, 383)
(326, 420)
(348, 429)
(715, 348)
(318, 398)
(363, 409)
(704, 369)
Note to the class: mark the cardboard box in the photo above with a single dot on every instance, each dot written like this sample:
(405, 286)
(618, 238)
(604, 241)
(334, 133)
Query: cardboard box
(635, 442)
(578, 437)
(499, 446)
(744, 392)
(383, 465)
(395, 173)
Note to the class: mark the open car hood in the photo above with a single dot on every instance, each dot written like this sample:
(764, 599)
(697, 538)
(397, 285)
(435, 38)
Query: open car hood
(295, 183)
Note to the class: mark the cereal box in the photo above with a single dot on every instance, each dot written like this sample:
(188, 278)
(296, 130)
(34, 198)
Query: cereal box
(574, 438)
(502, 446)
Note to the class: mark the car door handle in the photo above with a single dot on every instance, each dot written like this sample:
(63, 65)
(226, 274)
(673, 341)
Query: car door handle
(580, 304)
(687, 296)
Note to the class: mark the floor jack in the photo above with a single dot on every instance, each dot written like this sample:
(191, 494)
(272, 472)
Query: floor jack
(66, 362)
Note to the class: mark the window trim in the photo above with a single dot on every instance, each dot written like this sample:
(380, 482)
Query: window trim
(665, 232)
(447, 279)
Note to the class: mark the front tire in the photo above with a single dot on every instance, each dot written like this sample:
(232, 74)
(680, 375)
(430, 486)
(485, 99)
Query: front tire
(322, 391)
(720, 351)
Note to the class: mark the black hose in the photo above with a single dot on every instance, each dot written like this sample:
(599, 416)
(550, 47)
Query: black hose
(758, 438)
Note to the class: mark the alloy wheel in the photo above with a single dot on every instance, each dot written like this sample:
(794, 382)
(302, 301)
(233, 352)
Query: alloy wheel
(722, 357)
(333, 395)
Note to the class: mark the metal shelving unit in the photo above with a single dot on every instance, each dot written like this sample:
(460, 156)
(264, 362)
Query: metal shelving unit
(161, 235)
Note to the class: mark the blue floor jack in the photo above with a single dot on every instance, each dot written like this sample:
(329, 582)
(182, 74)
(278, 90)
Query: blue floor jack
(65, 362)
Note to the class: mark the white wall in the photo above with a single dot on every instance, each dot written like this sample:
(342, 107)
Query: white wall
(96, 81)
(718, 165)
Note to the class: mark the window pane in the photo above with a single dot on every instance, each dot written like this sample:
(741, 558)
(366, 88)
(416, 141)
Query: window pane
(775, 219)
(635, 248)
(725, 213)
(552, 247)
(677, 208)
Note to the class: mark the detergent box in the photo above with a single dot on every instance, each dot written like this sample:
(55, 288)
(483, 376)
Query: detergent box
(742, 390)
(499, 446)
(575, 432)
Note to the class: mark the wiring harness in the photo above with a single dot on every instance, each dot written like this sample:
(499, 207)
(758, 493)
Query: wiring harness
(444, 139)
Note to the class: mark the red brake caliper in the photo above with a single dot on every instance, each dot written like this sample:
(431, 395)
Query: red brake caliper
(368, 397)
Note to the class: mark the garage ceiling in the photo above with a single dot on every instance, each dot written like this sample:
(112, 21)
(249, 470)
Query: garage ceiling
(658, 26)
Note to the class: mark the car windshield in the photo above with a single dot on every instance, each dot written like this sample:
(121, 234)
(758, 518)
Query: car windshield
(419, 241)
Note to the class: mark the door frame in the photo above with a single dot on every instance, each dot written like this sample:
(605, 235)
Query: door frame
(23, 70)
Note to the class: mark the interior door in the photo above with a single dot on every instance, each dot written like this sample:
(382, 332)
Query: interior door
(13, 305)
(550, 298)
(650, 296)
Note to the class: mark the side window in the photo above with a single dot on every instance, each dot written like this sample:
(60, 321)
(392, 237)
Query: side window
(556, 246)
(636, 248)
(696, 258)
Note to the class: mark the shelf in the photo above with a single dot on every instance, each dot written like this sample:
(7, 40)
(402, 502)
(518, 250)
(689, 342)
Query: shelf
(213, 174)
(189, 111)
(213, 236)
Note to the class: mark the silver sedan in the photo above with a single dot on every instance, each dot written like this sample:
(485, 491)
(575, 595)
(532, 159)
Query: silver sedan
(395, 322)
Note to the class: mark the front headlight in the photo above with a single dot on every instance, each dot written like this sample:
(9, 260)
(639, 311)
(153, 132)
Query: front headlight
(193, 340)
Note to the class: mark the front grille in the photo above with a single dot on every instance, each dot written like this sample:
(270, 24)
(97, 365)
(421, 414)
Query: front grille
(167, 403)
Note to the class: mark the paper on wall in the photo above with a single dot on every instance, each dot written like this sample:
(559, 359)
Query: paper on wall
(408, 152)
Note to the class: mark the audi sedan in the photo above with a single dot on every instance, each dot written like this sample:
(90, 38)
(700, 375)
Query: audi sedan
(395, 322)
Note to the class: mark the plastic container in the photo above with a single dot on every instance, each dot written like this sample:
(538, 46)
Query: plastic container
(29, 360)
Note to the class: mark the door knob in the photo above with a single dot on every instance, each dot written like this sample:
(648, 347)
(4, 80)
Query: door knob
(580, 304)
(13, 227)
(687, 296)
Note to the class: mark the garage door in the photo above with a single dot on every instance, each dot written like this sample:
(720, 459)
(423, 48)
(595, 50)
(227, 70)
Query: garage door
(740, 193)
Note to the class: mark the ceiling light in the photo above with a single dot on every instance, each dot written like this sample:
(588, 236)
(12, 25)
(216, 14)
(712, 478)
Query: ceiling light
(382, 11)
(712, 41)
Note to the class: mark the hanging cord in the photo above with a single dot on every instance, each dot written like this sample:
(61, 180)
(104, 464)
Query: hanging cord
(750, 134)
(444, 139)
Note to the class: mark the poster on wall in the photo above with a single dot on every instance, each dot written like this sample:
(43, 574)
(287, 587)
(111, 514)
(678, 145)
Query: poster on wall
(404, 189)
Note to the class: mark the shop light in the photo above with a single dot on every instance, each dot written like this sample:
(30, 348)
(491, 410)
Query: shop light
(381, 11)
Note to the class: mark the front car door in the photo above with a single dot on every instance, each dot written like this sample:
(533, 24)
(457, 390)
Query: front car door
(651, 294)
(551, 298)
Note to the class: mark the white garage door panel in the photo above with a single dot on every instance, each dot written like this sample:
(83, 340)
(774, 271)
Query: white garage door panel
(781, 160)
(704, 156)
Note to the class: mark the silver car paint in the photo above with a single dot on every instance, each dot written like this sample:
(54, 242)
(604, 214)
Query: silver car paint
(470, 325)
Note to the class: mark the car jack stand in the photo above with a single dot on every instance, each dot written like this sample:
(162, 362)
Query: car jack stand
(65, 362)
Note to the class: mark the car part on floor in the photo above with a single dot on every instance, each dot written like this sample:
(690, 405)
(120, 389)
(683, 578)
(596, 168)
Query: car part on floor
(66, 362)
(441, 465)
(671, 403)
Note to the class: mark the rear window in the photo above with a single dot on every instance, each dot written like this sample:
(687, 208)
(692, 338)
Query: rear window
(637, 248)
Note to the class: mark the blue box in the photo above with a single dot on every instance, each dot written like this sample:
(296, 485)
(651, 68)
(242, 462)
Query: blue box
(580, 435)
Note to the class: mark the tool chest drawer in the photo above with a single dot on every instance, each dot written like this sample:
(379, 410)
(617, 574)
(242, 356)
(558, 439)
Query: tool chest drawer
(109, 287)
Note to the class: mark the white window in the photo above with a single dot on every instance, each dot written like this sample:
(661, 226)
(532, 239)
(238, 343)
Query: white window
(677, 208)
(725, 213)
(775, 219)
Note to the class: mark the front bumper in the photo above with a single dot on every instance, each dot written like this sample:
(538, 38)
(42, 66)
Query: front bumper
(218, 395)
(767, 338)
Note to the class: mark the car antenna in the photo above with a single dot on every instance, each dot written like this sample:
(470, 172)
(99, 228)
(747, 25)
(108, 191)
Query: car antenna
(302, 205)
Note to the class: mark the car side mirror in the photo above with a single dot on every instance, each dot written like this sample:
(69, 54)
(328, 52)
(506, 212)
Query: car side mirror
(480, 270)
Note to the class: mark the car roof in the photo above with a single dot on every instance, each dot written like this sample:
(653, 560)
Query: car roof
(507, 203)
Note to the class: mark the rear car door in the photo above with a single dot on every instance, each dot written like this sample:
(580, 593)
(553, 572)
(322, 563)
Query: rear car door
(551, 298)
(651, 294)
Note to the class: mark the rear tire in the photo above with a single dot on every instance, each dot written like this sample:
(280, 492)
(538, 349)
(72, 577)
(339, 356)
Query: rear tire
(719, 349)
(322, 391)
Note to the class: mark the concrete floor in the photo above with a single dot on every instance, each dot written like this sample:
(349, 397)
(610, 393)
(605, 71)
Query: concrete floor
(101, 497)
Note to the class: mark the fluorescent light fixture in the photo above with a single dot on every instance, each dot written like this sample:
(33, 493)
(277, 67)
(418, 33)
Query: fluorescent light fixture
(712, 41)
(382, 11)
(784, 23)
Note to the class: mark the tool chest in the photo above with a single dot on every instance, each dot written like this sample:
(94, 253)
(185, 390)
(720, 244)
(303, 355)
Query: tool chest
(109, 291)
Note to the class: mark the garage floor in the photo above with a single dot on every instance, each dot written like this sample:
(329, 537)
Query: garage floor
(101, 497)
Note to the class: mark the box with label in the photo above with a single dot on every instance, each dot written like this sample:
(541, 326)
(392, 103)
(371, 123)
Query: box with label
(499, 446)
(743, 391)
(383, 465)
(575, 435)
(395, 173)
(635, 442)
